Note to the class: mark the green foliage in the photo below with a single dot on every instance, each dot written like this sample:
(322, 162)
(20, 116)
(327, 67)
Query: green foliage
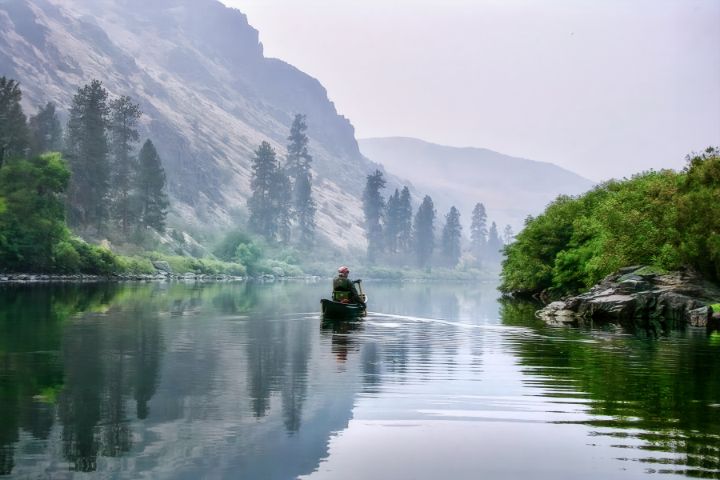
(451, 237)
(152, 201)
(45, 131)
(136, 265)
(478, 230)
(374, 209)
(269, 201)
(299, 162)
(122, 126)
(201, 266)
(33, 220)
(424, 232)
(662, 219)
(14, 135)
(66, 257)
(87, 151)
(96, 260)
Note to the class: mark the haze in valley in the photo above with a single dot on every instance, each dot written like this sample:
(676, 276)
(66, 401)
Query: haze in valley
(605, 89)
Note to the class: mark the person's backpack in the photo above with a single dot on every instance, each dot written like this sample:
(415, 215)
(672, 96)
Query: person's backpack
(341, 296)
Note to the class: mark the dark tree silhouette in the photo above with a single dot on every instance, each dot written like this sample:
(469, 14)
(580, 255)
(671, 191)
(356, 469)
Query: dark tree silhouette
(87, 152)
(451, 237)
(424, 232)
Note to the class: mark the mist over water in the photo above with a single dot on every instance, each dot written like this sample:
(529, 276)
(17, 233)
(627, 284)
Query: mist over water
(246, 380)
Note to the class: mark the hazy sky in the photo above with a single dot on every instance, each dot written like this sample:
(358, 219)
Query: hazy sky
(604, 87)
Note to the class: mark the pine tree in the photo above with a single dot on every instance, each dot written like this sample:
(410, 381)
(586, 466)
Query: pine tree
(392, 222)
(508, 235)
(478, 230)
(405, 221)
(14, 135)
(299, 162)
(45, 131)
(451, 237)
(306, 214)
(87, 152)
(281, 196)
(424, 232)
(152, 200)
(124, 116)
(262, 204)
(373, 207)
(494, 244)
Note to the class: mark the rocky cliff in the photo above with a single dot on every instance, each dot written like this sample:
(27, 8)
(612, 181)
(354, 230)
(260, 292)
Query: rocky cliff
(208, 94)
(640, 297)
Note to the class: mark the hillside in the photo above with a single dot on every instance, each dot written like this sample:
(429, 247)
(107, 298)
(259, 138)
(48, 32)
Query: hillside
(208, 94)
(510, 187)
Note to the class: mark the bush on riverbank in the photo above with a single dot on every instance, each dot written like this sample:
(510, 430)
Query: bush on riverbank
(663, 219)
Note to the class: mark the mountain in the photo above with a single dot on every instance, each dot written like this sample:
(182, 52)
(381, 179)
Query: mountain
(510, 188)
(208, 94)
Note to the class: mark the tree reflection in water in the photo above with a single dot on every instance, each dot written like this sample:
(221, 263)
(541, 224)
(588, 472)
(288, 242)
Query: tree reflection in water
(655, 395)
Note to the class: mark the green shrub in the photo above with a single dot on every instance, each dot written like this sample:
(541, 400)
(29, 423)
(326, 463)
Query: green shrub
(96, 260)
(662, 219)
(66, 258)
(136, 265)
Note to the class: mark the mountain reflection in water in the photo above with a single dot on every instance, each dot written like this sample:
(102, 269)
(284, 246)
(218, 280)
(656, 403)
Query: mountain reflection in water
(247, 381)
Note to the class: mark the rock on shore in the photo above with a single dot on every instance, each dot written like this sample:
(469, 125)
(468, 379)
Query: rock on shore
(640, 297)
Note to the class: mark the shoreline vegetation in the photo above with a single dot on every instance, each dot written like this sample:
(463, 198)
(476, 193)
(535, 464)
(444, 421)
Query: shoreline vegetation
(664, 219)
(441, 275)
(641, 252)
(88, 200)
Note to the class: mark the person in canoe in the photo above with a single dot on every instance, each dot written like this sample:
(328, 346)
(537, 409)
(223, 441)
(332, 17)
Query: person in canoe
(344, 289)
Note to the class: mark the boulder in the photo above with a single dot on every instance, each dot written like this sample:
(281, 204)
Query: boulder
(162, 266)
(699, 317)
(640, 296)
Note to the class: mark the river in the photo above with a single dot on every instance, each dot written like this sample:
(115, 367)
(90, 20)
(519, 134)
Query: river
(246, 381)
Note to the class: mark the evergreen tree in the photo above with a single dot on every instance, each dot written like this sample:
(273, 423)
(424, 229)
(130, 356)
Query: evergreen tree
(494, 244)
(405, 221)
(508, 235)
(45, 131)
(152, 200)
(14, 136)
(424, 232)
(87, 152)
(283, 206)
(262, 204)
(392, 222)
(478, 230)
(451, 237)
(305, 209)
(299, 163)
(124, 116)
(373, 207)
(32, 224)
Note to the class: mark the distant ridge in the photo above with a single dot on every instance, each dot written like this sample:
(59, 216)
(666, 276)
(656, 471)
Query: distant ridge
(510, 187)
(209, 97)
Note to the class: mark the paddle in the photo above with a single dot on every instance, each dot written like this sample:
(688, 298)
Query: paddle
(361, 294)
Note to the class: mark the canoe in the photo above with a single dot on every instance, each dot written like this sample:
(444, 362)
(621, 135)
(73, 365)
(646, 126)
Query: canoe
(331, 309)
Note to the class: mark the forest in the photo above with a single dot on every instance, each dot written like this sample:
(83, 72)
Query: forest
(663, 219)
(88, 197)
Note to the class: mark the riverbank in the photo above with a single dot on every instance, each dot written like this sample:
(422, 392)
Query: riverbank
(27, 278)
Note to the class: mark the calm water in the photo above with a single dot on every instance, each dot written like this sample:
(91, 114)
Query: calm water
(246, 381)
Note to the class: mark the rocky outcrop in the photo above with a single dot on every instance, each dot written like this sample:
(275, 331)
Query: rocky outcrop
(640, 297)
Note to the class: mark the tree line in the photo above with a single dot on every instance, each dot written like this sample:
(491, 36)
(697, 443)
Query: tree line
(91, 174)
(662, 218)
(281, 206)
(397, 237)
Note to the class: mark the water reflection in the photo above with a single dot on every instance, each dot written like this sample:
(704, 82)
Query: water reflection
(247, 381)
(645, 395)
